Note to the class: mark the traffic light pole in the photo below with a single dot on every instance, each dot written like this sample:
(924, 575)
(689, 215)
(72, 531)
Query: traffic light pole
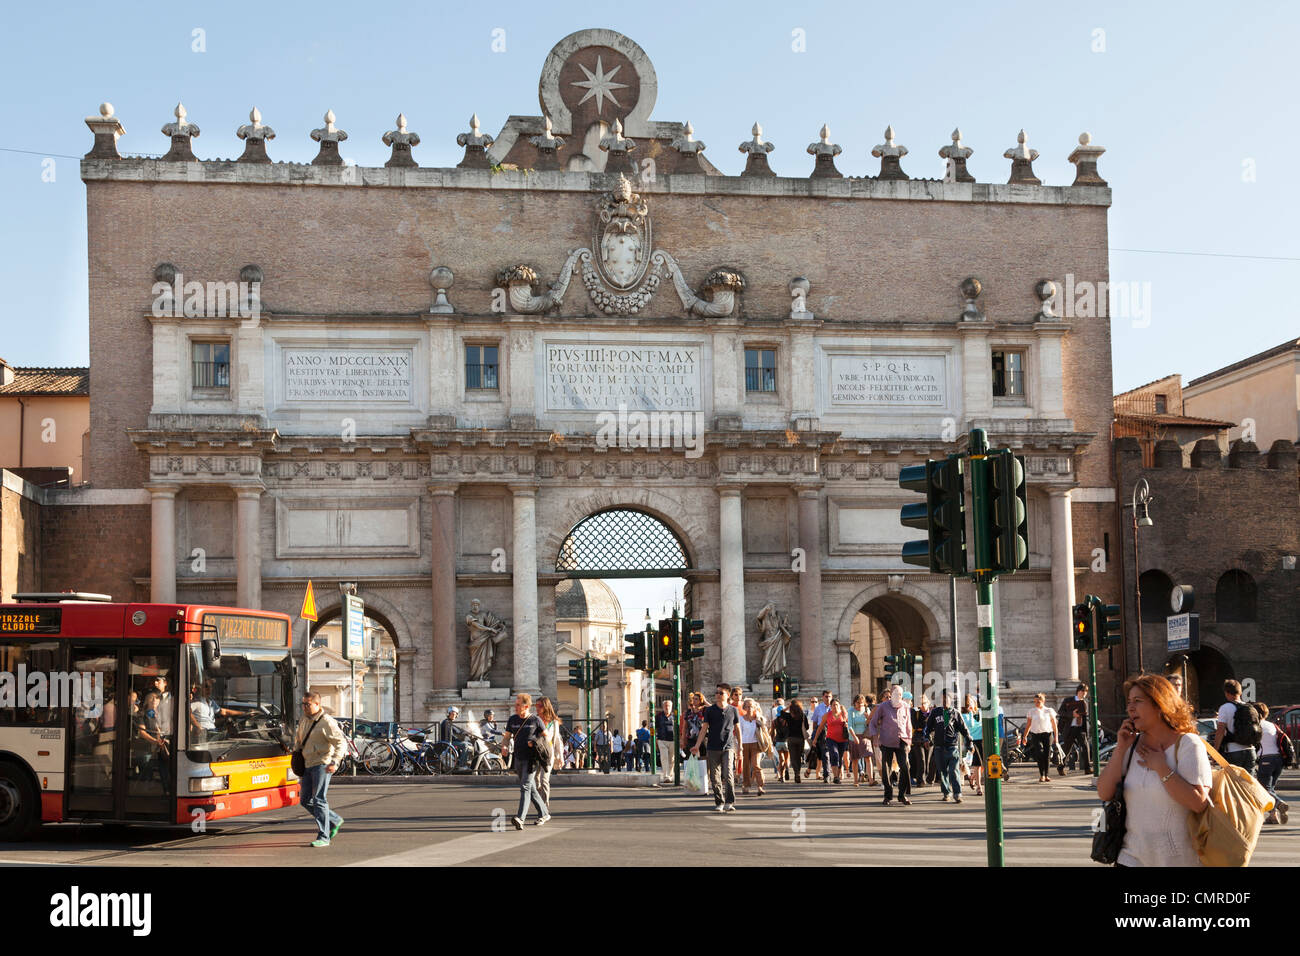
(681, 724)
(1092, 712)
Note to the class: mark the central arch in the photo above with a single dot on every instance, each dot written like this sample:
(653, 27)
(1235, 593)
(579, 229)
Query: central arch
(622, 542)
(910, 616)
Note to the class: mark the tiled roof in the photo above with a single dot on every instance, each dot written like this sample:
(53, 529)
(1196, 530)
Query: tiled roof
(1173, 420)
(1163, 378)
(48, 381)
(1286, 346)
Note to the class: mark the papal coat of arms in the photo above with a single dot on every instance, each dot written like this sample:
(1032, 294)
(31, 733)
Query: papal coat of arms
(622, 237)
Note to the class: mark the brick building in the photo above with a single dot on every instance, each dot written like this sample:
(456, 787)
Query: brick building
(409, 388)
(1229, 526)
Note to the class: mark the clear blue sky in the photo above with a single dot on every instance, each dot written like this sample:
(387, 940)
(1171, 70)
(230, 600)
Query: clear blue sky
(1182, 96)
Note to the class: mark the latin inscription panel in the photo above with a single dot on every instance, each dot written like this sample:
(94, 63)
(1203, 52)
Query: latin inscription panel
(599, 376)
(348, 374)
(875, 381)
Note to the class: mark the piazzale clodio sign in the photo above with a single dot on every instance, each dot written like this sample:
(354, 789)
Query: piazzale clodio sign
(450, 369)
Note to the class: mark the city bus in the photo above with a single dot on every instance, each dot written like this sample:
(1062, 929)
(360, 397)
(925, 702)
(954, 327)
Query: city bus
(163, 714)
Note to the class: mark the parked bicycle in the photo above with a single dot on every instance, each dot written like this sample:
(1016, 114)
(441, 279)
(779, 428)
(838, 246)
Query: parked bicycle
(409, 752)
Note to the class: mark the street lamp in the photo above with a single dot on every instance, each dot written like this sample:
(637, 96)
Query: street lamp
(1141, 503)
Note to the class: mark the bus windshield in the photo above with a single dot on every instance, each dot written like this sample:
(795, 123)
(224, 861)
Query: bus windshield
(239, 708)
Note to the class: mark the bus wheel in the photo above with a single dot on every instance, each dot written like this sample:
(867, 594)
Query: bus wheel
(19, 805)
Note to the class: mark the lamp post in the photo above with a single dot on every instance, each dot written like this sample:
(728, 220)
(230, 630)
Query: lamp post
(1142, 499)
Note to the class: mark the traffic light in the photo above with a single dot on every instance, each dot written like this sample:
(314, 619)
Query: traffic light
(1008, 514)
(942, 516)
(667, 641)
(635, 649)
(778, 686)
(600, 672)
(894, 664)
(692, 645)
(791, 688)
(1083, 632)
(578, 673)
(1110, 624)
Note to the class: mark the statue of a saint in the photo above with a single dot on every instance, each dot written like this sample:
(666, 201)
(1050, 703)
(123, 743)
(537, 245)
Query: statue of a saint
(774, 638)
(486, 631)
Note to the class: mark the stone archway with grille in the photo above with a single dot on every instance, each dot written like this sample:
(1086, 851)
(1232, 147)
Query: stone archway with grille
(622, 543)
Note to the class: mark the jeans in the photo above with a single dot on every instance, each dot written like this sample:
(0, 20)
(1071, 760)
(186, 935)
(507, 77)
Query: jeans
(823, 759)
(833, 751)
(722, 776)
(528, 791)
(949, 778)
(904, 773)
(1242, 758)
(544, 785)
(315, 783)
(1270, 768)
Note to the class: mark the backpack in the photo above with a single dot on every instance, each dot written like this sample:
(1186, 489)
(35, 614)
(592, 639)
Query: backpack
(1247, 731)
(1285, 747)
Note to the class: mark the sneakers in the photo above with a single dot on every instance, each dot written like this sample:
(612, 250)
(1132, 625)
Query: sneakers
(1284, 811)
(719, 807)
(517, 823)
(320, 841)
(541, 821)
(729, 808)
(889, 802)
(334, 831)
(956, 799)
(945, 798)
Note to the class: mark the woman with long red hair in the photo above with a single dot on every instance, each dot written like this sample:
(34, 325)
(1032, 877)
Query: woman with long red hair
(1165, 771)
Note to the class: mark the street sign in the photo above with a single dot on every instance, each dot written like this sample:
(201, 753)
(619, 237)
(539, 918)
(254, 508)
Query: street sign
(354, 627)
(308, 612)
(1183, 632)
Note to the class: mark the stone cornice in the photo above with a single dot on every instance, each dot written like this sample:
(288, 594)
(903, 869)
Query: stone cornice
(229, 172)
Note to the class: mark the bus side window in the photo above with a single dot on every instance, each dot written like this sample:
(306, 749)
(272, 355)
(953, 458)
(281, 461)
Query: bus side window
(25, 702)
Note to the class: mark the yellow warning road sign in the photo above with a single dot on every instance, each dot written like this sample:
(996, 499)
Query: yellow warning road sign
(994, 766)
(308, 612)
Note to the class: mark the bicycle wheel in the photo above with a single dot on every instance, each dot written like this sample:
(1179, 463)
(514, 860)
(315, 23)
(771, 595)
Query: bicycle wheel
(379, 758)
(441, 758)
(490, 763)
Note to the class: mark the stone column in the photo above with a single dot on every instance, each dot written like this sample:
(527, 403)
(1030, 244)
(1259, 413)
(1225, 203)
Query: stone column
(810, 591)
(1065, 658)
(162, 551)
(844, 671)
(732, 562)
(248, 546)
(443, 540)
(524, 624)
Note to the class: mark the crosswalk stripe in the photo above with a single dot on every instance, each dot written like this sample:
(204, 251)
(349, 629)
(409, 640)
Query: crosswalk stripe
(462, 849)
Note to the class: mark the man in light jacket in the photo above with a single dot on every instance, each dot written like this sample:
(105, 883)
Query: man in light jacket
(323, 746)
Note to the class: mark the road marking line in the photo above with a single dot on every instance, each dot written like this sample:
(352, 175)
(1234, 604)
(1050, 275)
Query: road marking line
(462, 849)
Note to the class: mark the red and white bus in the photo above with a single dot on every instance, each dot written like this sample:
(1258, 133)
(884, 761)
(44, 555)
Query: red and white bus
(141, 713)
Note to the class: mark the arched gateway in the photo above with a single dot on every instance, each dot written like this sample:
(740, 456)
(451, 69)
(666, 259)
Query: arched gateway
(515, 355)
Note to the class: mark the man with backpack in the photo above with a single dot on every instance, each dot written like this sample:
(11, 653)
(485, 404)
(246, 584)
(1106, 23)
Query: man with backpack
(1239, 727)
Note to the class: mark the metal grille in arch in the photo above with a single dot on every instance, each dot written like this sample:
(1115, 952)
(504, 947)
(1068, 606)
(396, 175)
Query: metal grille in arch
(621, 543)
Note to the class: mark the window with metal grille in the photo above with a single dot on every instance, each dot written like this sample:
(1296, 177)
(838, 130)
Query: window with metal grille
(620, 543)
(760, 370)
(1008, 374)
(211, 364)
(481, 367)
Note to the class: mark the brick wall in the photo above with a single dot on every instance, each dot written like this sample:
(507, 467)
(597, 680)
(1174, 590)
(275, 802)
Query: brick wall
(100, 548)
(20, 554)
(1240, 512)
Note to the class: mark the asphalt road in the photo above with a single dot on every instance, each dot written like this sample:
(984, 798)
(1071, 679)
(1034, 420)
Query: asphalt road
(441, 824)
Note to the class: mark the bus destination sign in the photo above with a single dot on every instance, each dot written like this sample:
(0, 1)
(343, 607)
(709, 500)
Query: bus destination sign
(247, 629)
(43, 620)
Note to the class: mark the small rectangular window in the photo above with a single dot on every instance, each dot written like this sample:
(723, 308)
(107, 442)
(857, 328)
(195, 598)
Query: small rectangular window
(760, 370)
(1162, 405)
(481, 367)
(211, 365)
(1008, 374)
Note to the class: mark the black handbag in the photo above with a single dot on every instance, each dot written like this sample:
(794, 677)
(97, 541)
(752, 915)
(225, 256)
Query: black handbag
(296, 761)
(1109, 840)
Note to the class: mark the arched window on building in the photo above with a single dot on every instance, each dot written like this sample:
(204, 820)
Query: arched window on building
(1155, 586)
(1235, 598)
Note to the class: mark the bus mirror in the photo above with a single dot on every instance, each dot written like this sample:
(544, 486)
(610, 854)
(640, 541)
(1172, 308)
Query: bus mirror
(211, 651)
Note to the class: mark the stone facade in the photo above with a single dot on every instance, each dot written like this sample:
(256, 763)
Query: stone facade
(394, 471)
